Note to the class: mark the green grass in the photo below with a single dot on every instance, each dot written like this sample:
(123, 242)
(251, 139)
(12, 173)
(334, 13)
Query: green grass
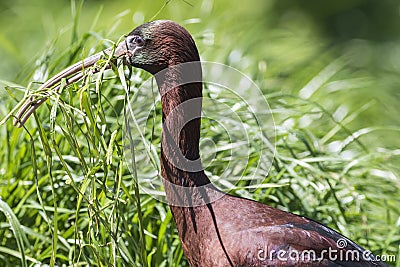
(68, 197)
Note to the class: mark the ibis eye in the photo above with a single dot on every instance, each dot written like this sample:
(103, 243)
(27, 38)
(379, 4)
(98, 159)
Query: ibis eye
(139, 41)
(133, 41)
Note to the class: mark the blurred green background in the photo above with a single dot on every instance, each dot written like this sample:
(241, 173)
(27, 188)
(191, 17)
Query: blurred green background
(340, 56)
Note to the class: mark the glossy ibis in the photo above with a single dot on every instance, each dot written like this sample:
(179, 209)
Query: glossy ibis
(215, 229)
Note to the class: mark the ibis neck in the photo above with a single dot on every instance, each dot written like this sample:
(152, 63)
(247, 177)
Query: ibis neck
(181, 100)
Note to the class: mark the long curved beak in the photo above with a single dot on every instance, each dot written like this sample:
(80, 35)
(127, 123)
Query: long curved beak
(71, 75)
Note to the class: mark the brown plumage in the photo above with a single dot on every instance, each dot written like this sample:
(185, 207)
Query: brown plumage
(215, 229)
